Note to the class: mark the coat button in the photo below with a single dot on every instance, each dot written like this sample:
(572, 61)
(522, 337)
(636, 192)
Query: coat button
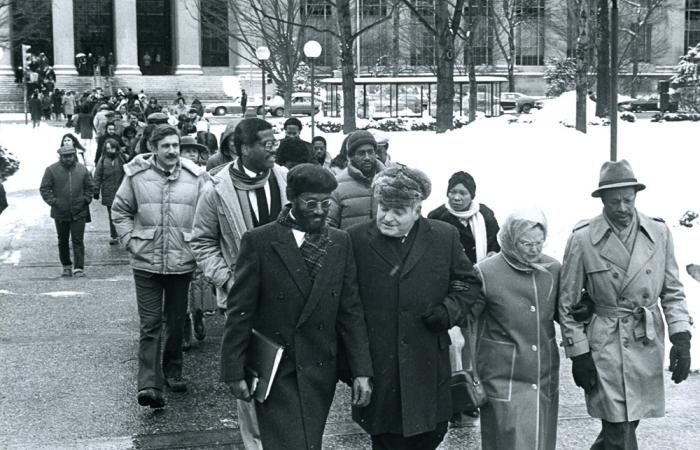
(320, 327)
(608, 265)
(624, 320)
(616, 275)
(625, 343)
(404, 342)
(648, 271)
(533, 309)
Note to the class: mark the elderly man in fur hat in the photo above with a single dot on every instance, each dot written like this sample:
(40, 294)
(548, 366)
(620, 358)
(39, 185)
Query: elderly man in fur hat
(295, 282)
(625, 261)
(415, 284)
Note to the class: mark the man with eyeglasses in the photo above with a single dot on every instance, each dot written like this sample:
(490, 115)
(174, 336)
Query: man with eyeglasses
(245, 193)
(352, 201)
(295, 283)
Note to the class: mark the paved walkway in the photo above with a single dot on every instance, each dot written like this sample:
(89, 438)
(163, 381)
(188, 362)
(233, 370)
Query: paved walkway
(68, 349)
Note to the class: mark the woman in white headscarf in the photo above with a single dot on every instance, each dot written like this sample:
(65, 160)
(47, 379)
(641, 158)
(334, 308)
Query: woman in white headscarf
(517, 355)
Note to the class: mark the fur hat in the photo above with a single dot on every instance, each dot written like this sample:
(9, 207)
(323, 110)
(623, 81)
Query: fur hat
(359, 138)
(399, 186)
(462, 178)
(66, 150)
(310, 178)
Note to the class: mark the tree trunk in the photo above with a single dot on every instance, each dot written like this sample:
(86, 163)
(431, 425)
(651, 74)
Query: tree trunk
(288, 90)
(445, 68)
(581, 66)
(347, 64)
(395, 52)
(469, 60)
(635, 63)
(510, 60)
(603, 73)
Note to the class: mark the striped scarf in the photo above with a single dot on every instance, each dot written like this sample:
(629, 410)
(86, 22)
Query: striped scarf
(315, 245)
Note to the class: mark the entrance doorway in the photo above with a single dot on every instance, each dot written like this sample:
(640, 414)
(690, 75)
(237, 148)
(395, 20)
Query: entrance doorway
(154, 37)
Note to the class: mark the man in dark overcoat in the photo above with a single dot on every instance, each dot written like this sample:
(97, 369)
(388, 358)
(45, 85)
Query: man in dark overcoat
(295, 282)
(415, 283)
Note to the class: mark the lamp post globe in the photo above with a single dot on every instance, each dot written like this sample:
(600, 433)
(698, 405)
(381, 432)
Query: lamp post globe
(312, 50)
(263, 54)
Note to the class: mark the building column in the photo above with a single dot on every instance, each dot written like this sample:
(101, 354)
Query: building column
(187, 36)
(63, 37)
(6, 39)
(126, 38)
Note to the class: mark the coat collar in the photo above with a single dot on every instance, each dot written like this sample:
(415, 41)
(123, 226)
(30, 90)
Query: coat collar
(421, 243)
(600, 227)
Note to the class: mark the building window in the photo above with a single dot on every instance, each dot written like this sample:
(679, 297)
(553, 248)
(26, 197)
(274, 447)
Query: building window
(214, 14)
(643, 41)
(692, 23)
(374, 7)
(315, 8)
(154, 36)
(375, 43)
(483, 38)
(530, 35)
(93, 26)
(422, 52)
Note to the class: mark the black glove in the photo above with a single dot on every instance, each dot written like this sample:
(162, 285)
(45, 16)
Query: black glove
(437, 319)
(584, 371)
(680, 356)
(583, 311)
(96, 196)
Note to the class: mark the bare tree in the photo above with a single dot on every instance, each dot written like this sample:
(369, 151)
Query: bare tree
(23, 21)
(445, 29)
(582, 64)
(603, 59)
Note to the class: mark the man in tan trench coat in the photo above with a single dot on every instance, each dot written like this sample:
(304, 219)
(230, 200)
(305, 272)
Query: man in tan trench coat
(625, 261)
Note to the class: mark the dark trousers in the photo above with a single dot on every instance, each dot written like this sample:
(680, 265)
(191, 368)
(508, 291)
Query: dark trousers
(73, 231)
(153, 308)
(617, 436)
(112, 230)
(424, 441)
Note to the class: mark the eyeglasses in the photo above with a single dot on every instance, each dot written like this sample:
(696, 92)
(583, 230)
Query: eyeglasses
(531, 245)
(313, 204)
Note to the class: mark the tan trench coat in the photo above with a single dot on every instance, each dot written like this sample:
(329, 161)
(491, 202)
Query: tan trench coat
(626, 334)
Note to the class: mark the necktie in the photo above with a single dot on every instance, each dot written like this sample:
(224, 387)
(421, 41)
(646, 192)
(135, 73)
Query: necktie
(263, 210)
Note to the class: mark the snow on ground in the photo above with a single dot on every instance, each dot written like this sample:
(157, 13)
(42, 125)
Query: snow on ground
(541, 163)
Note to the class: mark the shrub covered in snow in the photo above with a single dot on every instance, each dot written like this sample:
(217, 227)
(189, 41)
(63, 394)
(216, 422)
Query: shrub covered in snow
(560, 76)
(628, 116)
(686, 80)
(675, 117)
(9, 164)
(329, 126)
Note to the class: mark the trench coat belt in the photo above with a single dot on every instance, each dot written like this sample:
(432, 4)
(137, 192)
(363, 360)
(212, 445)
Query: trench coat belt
(643, 316)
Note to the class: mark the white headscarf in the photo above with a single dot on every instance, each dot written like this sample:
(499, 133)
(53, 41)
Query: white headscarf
(516, 224)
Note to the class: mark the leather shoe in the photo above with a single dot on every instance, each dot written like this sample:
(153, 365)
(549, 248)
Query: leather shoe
(151, 397)
(198, 322)
(176, 384)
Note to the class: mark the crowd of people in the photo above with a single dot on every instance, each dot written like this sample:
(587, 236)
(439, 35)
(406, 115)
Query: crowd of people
(333, 259)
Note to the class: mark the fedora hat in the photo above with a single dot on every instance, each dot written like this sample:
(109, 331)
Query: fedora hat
(191, 142)
(616, 174)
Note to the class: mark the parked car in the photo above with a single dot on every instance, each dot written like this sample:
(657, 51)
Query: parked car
(301, 104)
(519, 102)
(647, 103)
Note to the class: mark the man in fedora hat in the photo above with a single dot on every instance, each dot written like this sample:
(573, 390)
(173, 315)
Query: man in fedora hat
(68, 188)
(625, 262)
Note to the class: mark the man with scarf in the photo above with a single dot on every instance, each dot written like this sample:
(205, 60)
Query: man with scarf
(68, 188)
(295, 282)
(245, 193)
(626, 263)
(415, 284)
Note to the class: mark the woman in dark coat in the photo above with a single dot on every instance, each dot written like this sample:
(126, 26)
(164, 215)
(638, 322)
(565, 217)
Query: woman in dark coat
(478, 230)
(35, 109)
(109, 173)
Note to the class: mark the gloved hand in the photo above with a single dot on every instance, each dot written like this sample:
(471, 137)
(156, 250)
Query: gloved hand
(583, 311)
(96, 196)
(437, 319)
(680, 356)
(584, 371)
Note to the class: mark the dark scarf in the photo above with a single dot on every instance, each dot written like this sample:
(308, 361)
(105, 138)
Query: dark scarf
(315, 244)
(242, 181)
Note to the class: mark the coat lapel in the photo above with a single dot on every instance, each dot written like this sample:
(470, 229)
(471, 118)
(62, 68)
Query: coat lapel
(642, 252)
(289, 253)
(612, 249)
(382, 247)
(421, 244)
(320, 283)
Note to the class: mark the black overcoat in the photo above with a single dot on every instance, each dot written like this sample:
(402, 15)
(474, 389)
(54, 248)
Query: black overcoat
(273, 293)
(411, 364)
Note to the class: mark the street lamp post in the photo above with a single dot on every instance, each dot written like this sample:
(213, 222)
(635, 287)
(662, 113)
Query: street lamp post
(312, 50)
(263, 54)
(613, 80)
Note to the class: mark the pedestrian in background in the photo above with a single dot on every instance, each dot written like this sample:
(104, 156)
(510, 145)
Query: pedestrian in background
(626, 263)
(153, 213)
(244, 102)
(68, 188)
(415, 283)
(3, 195)
(69, 108)
(321, 155)
(35, 109)
(86, 129)
(517, 353)
(109, 172)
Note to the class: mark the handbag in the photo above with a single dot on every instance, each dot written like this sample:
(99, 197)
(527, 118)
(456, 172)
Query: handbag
(468, 393)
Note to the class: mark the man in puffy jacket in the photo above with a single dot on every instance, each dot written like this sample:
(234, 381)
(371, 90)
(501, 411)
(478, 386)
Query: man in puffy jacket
(153, 213)
(67, 187)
